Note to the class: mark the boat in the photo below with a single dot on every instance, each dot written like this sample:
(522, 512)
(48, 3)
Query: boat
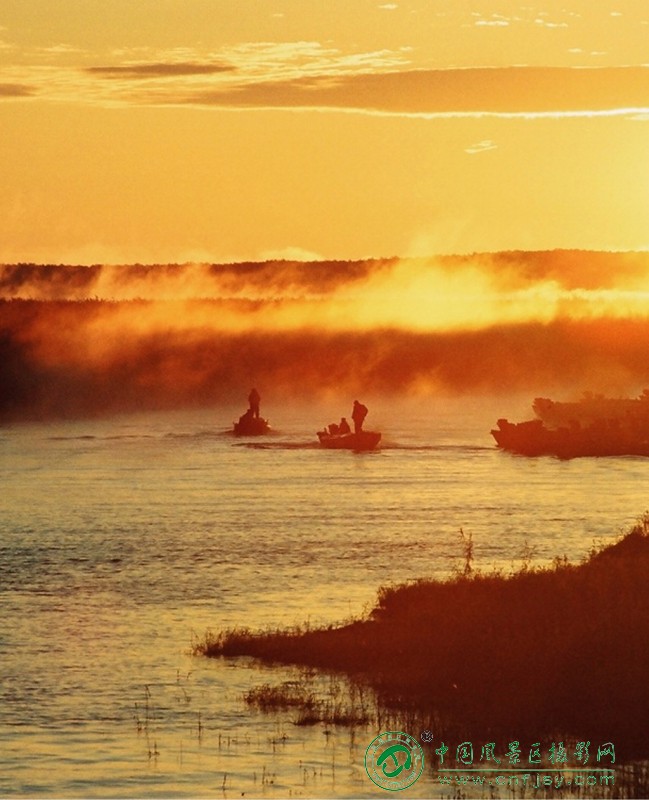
(592, 426)
(590, 408)
(363, 440)
(251, 426)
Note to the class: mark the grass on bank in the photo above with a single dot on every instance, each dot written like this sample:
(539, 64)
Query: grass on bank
(563, 649)
(311, 708)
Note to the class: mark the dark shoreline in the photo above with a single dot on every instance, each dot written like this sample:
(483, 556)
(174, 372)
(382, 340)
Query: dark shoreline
(558, 652)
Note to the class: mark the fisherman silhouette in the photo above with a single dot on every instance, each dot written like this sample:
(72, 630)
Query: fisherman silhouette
(343, 427)
(359, 412)
(254, 400)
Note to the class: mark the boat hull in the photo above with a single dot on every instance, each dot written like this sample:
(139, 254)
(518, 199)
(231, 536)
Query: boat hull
(364, 440)
(257, 426)
(533, 438)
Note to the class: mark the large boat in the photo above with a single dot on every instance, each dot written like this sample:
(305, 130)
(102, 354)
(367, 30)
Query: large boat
(592, 426)
(363, 440)
(600, 438)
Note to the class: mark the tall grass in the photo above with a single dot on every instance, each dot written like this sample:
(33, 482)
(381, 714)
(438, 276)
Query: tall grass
(563, 649)
(333, 707)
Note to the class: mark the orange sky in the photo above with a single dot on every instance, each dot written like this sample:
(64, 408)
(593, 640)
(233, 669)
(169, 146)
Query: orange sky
(224, 130)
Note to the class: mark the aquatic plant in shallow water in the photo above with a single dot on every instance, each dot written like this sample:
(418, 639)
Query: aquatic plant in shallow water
(332, 704)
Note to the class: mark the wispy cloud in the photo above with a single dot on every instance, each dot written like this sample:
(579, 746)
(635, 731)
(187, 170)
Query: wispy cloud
(521, 91)
(16, 90)
(495, 20)
(270, 61)
(142, 75)
(481, 147)
(307, 75)
(158, 70)
(60, 50)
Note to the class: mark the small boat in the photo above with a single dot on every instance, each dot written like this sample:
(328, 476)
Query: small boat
(251, 426)
(363, 440)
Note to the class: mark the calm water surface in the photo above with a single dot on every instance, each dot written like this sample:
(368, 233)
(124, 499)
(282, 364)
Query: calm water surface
(123, 540)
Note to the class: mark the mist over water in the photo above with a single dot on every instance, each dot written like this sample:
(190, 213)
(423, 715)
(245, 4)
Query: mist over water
(87, 341)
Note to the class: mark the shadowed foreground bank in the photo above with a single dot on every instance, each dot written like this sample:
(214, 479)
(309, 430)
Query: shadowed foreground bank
(561, 651)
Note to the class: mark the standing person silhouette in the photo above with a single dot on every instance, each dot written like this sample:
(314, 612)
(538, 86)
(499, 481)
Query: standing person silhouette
(254, 399)
(359, 412)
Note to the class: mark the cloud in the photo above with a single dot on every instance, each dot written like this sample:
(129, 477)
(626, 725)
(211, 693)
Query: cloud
(481, 147)
(141, 76)
(476, 91)
(61, 50)
(158, 70)
(547, 24)
(493, 23)
(306, 75)
(272, 61)
(16, 90)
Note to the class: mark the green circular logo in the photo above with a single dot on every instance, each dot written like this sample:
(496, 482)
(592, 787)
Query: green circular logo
(394, 760)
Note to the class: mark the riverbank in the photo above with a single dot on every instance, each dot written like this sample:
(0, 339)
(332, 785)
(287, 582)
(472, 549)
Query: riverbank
(560, 651)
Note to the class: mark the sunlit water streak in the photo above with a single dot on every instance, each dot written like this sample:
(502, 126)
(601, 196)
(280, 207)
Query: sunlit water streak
(122, 540)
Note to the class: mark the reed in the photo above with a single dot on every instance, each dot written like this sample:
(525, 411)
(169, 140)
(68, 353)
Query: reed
(289, 694)
(331, 706)
(563, 648)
